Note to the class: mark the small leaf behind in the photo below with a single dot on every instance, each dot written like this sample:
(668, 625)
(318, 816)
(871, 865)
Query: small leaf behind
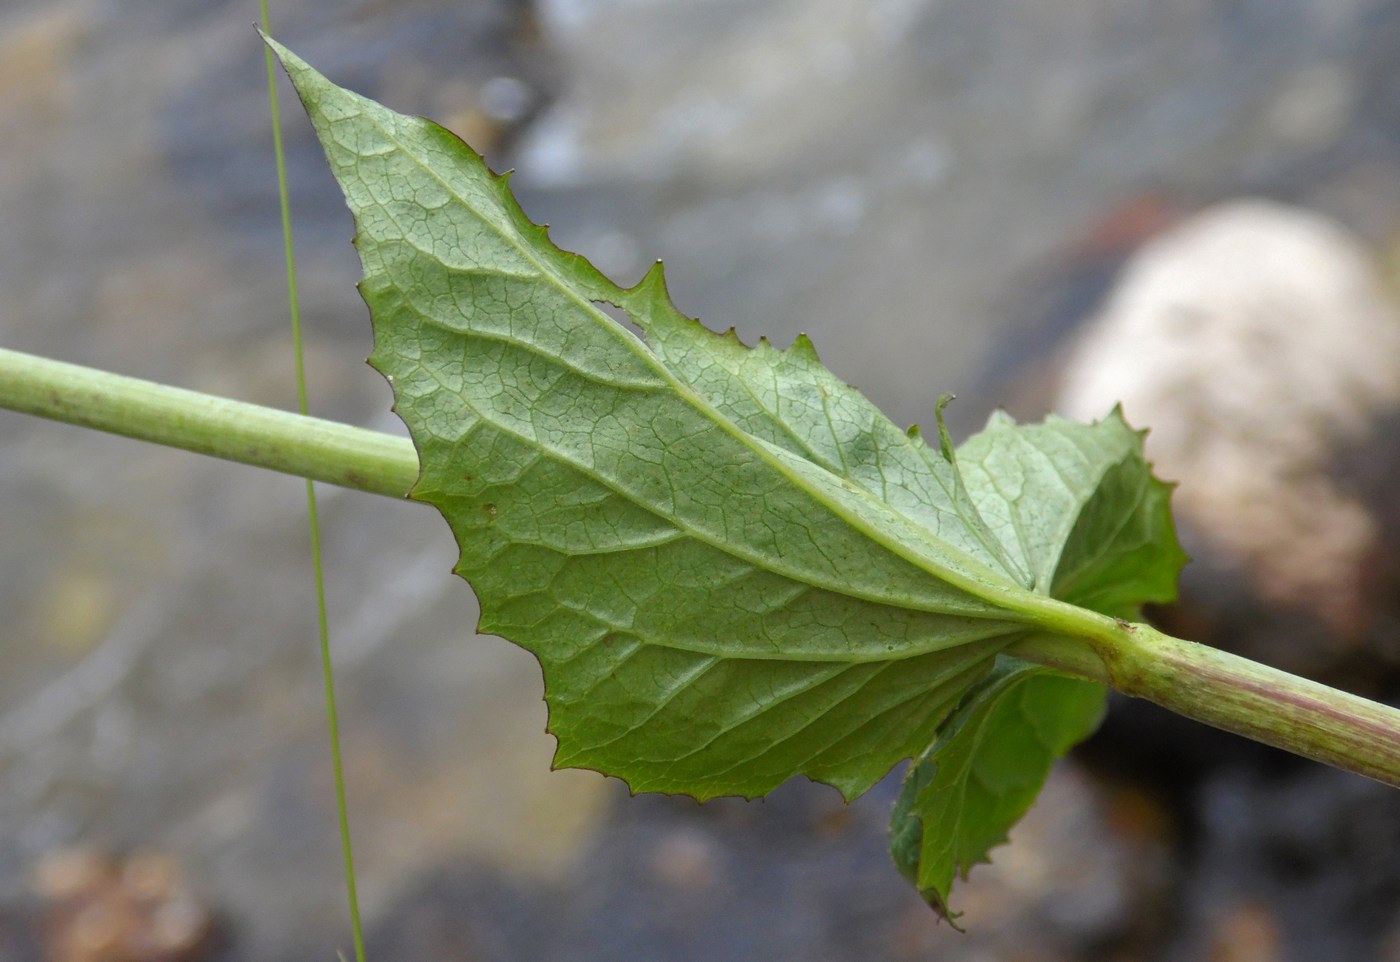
(986, 768)
(1078, 507)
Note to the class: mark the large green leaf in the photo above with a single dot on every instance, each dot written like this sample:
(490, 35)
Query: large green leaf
(732, 568)
(1078, 507)
(715, 608)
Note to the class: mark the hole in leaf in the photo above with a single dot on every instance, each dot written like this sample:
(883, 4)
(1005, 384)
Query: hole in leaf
(622, 317)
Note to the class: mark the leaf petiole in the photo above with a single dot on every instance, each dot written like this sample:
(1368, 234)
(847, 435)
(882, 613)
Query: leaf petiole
(1234, 694)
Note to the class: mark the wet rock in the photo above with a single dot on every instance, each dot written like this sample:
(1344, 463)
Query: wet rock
(1294, 866)
(35, 54)
(1260, 345)
(475, 67)
(800, 875)
(1245, 933)
(140, 908)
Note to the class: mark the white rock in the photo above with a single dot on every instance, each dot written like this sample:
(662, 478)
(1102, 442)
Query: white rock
(1253, 339)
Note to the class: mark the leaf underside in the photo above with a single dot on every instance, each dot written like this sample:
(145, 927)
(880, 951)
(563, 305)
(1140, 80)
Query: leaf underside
(732, 568)
(1078, 507)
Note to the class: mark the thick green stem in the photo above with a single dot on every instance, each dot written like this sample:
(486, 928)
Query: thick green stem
(291, 443)
(1236, 694)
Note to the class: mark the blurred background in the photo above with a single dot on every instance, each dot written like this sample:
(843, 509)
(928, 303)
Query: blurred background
(1192, 207)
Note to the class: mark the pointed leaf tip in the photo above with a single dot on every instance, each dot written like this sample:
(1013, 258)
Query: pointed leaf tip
(653, 281)
(804, 348)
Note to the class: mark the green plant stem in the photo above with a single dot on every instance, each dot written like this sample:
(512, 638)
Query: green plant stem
(1235, 694)
(235, 431)
(1203, 683)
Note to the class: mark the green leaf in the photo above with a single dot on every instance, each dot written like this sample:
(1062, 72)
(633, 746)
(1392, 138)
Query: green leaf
(732, 568)
(790, 399)
(731, 573)
(1078, 507)
(984, 771)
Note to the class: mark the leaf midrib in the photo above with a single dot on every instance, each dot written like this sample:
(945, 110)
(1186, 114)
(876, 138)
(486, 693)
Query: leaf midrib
(754, 559)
